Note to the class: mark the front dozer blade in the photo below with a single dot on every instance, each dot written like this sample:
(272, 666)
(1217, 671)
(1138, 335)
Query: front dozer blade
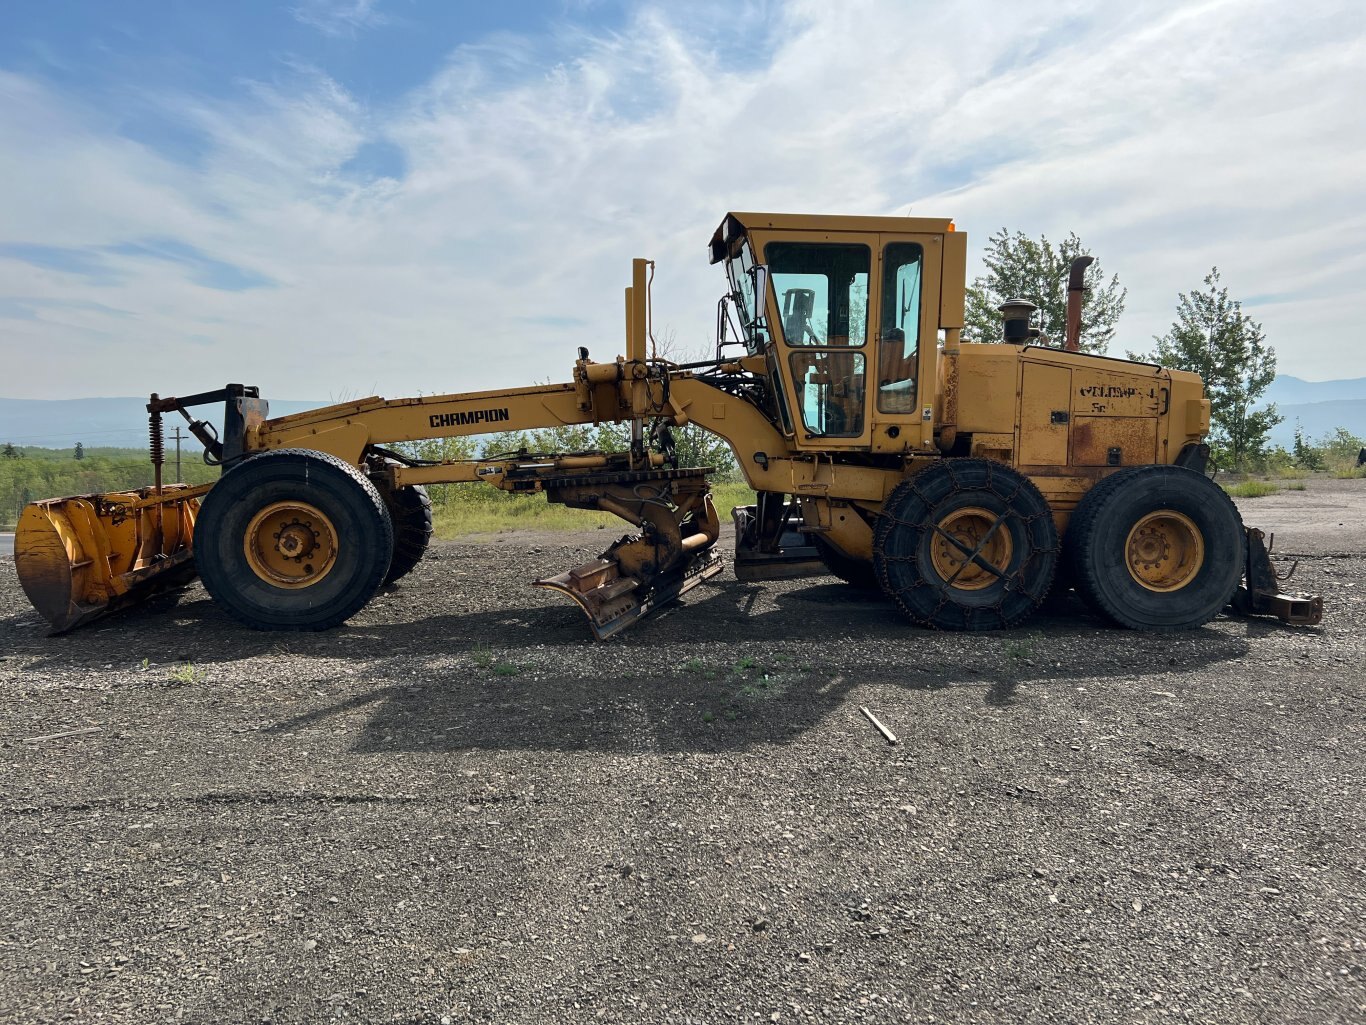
(78, 558)
(613, 602)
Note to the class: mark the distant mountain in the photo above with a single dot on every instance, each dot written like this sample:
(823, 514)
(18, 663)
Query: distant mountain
(1291, 391)
(1319, 418)
(60, 423)
(1319, 407)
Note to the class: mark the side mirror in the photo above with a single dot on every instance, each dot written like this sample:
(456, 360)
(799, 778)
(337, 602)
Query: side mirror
(759, 275)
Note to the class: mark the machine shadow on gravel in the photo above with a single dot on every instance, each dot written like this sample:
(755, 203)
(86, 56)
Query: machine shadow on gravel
(455, 703)
(727, 708)
(189, 627)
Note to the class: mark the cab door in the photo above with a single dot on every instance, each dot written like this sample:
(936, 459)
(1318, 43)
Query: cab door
(909, 278)
(822, 287)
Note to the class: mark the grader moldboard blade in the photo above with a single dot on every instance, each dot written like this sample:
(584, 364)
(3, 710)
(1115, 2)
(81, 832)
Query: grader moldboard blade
(613, 602)
(673, 553)
(80, 557)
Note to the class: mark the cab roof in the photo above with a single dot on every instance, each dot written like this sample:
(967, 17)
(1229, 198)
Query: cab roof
(737, 224)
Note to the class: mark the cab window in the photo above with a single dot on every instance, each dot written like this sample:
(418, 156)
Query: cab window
(822, 292)
(899, 327)
(830, 391)
(740, 270)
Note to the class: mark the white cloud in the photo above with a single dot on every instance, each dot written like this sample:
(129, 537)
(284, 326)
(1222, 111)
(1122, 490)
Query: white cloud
(1170, 137)
(338, 17)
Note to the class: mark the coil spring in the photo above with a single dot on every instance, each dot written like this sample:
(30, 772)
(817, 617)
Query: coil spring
(154, 435)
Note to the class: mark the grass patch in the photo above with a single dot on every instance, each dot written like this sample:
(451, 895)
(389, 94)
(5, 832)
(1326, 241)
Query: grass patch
(747, 686)
(483, 658)
(1022, 647)
(478, 509)
(185, 676)
(1299, 486)
(1290, 473)
(1252, 489)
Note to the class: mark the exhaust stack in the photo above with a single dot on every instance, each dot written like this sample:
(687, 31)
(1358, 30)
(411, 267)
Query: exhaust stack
(1076, 291)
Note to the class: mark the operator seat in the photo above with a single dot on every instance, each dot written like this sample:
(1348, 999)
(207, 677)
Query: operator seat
(896, 375)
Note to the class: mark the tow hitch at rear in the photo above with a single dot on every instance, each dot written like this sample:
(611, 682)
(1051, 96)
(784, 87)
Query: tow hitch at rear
(1260, 593)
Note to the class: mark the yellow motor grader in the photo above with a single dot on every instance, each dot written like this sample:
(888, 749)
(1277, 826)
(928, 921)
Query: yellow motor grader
(959, 479)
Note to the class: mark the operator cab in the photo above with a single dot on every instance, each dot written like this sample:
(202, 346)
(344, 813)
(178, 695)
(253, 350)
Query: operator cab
(843, 309)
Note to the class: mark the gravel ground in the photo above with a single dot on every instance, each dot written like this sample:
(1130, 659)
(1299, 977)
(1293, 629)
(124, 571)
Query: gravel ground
(460, 808)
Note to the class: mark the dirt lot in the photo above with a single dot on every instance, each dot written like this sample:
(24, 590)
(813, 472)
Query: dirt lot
(460, 808)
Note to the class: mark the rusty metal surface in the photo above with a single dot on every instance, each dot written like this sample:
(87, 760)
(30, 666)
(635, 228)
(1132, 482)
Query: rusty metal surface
(1076, 292)
(1094, 438)
(44, 569)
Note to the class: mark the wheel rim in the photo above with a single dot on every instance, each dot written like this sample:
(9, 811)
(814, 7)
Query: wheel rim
(980, 532)
(1164, 551)
(291, 544)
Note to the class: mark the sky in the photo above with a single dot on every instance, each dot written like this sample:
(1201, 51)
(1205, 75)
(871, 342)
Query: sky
(338, 198)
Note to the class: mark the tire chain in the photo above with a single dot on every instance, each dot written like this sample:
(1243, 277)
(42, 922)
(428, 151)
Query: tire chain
(920, 527)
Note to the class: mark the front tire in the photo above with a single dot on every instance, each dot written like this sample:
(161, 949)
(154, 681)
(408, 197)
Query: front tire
(1157, 548)
(854, 572)
(966, 544)
(293, 540)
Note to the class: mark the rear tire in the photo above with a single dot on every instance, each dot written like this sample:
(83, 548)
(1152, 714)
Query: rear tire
(293, 540)
(1157, 548)
(410, 511)
(987, 508)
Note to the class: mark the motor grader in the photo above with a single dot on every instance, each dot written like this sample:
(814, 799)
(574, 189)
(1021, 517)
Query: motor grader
(963, 480)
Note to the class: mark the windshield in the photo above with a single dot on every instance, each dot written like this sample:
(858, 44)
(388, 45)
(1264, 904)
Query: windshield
(740, 270)
(822, 289)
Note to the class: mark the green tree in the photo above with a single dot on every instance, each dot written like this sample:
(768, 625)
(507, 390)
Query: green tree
(1214, 338)
(10, 452)
(1339, 451)
(1305, 455)
(696, 446)
(1022, 268)
(80, 450)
